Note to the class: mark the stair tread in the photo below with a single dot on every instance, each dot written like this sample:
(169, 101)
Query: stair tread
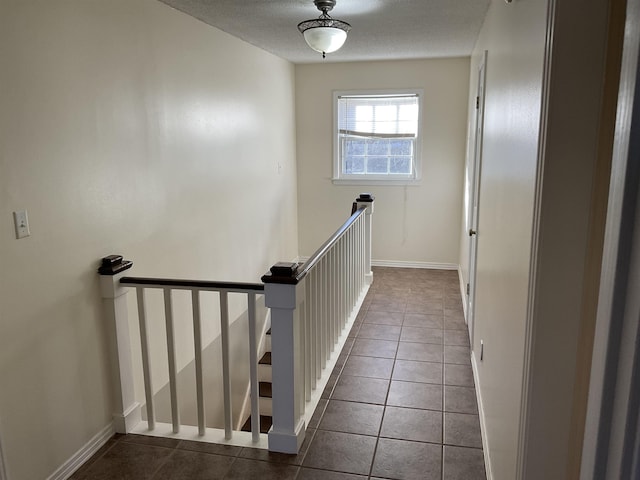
(265, 424)
(266, 359)
(265, 389)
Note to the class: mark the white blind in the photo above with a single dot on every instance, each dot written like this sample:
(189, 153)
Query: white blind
(378, 116)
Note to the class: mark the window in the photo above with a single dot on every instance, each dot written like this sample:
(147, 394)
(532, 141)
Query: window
(376, 137)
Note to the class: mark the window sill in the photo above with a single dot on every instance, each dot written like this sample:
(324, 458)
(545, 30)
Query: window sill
(382, 182)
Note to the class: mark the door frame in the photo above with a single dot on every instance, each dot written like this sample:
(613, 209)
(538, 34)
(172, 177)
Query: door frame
(474, 210)
(611, 444)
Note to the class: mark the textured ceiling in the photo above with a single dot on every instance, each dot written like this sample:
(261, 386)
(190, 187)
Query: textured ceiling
(381, 29)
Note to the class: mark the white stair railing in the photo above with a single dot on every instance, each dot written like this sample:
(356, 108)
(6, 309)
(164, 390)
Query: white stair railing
(115, 286)
(312, 309)
(313, 306)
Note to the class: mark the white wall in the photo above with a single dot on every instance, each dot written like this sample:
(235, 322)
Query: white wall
(416, 223)
(514, 36)
(125, 127)
(537, 230)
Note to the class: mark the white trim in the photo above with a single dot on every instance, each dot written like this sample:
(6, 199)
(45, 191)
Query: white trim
(603, 448)
(463, 295)
(483, 424)
(405, 264)
(85, 453)
(529, 334)
(409, 182)
(370, 179)
(212, 435)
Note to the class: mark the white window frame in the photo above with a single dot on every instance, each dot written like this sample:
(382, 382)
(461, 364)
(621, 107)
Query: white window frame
(377, 179)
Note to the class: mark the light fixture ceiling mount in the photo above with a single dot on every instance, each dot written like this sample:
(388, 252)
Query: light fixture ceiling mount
(324, 34)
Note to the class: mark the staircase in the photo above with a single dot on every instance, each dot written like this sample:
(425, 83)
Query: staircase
(264, 387)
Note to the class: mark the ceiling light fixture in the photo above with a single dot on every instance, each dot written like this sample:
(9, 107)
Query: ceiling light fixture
(324, 34)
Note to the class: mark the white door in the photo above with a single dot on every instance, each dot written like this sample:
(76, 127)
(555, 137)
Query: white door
(475, 195)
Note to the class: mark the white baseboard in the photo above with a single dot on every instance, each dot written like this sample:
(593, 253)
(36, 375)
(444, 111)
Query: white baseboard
(405, 264)
(483, 426)
(82, 455)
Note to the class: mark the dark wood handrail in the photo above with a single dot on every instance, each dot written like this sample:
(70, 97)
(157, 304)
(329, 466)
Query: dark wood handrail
(315, 258)
(191, 284)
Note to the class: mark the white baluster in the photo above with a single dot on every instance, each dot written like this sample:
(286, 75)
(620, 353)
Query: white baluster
(171, 354)
(197, 345)
(226, 376)
(253, 368)
(146, 360)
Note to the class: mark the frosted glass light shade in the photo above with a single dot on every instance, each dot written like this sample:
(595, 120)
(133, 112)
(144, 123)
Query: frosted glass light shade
(325, 39)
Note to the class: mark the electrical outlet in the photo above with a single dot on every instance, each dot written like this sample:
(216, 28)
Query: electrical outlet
(21, 222)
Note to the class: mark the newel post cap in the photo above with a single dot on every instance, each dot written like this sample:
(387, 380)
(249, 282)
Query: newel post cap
(113, 264)
(366, 200)
(282, 272)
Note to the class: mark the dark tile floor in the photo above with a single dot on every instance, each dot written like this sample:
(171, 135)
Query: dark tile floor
(400, 404)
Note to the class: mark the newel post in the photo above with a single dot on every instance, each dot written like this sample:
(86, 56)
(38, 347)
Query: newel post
(114, 302)
(284, 295)
(366, 200)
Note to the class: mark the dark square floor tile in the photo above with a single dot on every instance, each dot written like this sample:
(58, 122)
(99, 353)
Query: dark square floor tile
(422, 320)
(452, 302)
(456, 313)
(457, 355)
(415, 395)
(460, 375)
(462, 430)
(413, 307)
(412, 424)
(313, 474)
(379, 332)
(422, 294)
(421, 335)
(368, 367)
(361, 389)
(424, 372)
(374, 348)
(204, 447)
(460, 400)
(244, 468)
(352, 417)
(380, 306)
(384, 318)
(463, 464)
(128, 461)
(342, 452)
(421, 352)
(186, 465)
(150, 440)
(403, 460)
(386, 295)
(454, 324)
(456, 337)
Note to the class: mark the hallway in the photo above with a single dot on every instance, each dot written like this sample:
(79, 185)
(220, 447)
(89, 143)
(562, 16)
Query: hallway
(400, 403)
